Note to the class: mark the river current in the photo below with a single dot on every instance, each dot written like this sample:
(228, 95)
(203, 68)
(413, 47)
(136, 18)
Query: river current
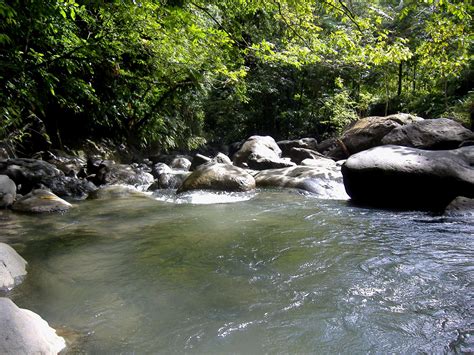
(268, 272)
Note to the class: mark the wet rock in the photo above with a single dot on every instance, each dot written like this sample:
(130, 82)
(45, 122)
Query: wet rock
(409, 178)
(69, 186)
(363, 134)
(40, 200)
(171, 180)
(441, 133)
(259, 152)
(7, 191)
(323, 181)
(116, 191)
(12, 267)
(460, 207)
(306, 143)
(220, 177)
(25, 332)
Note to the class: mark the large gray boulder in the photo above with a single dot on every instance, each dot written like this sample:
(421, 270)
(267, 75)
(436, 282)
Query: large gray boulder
(12, 267)
(219, 177)
(441, 133)
(324, 181)
(25, 332)
(259, 153)
(363, 134)
(403, 177)
(39, 200)
(7, 191)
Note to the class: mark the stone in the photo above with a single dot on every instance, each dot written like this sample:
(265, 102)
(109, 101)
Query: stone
(181, 163)
(306, 143)
(409, 178)
(39, 200)
(460, 207)
(122, 174)
(199, 159)
(256, 163)
(363, 134)
(323, 181)
(29, 173)
(219, 177)
(222, 158)
(441, 133)
(24, 332)
(169, 180)
(116, 191)
(12, 267)
(7, 191)
(297, 155)
(258, 150)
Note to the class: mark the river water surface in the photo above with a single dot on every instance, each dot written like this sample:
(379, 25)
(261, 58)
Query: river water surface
(272, 272)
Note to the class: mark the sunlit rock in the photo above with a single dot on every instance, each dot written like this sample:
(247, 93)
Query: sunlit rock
(12, 267)
(116, 191)
(403, 177)
(7, 191)
(260, 153)
(40, 200)
(324, 181)
(220, 177)
(24, 332)
(363, 134)
(441, 133)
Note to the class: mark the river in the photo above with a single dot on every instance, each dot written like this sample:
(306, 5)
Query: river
(268, 272)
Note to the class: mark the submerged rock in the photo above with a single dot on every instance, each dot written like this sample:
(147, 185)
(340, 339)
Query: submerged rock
(220, 177)
(116, 191)
(24, 332)
(40, 200)
(12, 267)
(323, 181)
(403, 177)
(7, 191)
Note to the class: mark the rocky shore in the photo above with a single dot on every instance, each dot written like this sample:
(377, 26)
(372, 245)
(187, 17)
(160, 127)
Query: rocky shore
(399, 161)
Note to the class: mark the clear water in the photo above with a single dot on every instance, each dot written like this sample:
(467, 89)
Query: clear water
(273, 272)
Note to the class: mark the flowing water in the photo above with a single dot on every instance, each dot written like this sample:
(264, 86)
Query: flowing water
(270, 272)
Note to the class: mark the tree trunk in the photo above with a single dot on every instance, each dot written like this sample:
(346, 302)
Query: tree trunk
(400, 79)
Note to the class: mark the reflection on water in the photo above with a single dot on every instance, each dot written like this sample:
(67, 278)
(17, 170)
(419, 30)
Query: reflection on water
(272, 272)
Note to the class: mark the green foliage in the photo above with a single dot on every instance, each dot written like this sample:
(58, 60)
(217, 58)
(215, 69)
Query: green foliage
(178, 73)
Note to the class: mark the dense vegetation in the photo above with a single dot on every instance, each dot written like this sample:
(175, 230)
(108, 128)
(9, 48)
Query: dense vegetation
(177, 73)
